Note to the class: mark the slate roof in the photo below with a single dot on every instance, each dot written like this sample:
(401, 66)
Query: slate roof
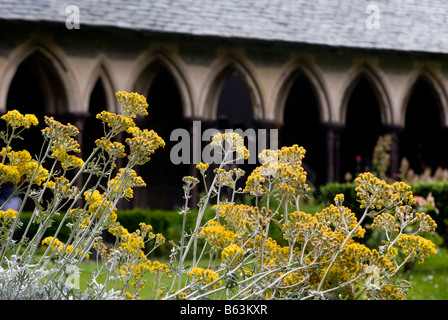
(405, 25)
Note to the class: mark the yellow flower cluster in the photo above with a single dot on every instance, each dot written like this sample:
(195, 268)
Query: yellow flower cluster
(61, 135)
(116, 122)
(232, 255)
(143, 144)
(15, 119)
(134, 243)
(202, 167)
(255, 183)
(124, 182)
(67, 161)
(114, 149)
(205, 276)
(190, 183)
(98, 205)
(416, 248)
(21, 167)
(9, 174)
(240, 217)
(57, 247)
(283, 168)
(376, 194)
(274, 255)
(340, 219)
(386, 222)
(231, 142)
(217, 236)
(61, 188)
(134, 262)
(224, 177)
(389, 292)
(7, 216)
(133, 103)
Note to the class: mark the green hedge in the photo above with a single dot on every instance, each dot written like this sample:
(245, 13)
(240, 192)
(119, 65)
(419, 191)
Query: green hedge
(438, 189)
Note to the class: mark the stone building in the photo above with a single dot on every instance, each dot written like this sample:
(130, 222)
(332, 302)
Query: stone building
(332, 76)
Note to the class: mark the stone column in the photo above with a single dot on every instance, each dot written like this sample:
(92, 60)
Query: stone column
(394, 131)
(333, 139)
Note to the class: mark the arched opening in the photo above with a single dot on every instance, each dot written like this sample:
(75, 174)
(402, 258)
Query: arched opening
(302, 126)
(235, 112)
(234, 104)
(165, 114)
(363, 126)
(423, 141)
(36, 88)
(92, 127)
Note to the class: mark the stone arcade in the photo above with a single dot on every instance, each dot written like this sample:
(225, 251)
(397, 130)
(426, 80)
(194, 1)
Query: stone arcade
(312, 70)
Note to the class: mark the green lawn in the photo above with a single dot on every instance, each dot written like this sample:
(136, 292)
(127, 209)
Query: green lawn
(430, 280)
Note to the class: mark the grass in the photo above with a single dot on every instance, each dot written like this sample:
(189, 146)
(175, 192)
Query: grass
(429, 280)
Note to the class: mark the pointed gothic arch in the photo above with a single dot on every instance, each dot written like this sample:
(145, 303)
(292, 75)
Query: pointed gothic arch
(166, 112)
(221, 71)
(364, 112)
(424, 140)
(378, 83)
(150, 63)
(49, 63)
(303, 107)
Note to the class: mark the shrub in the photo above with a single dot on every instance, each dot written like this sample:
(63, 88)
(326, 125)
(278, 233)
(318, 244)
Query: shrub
(435, 189)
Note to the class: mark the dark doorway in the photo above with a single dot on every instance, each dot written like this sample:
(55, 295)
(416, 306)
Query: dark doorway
(165, 113)
(93, 129)
(363, 128)
(235, 112)
(302, 126)
(35, 88)
(423, 141)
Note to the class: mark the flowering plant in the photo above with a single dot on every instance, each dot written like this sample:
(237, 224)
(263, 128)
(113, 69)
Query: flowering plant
(230, 256)
(322, 259)
(59, 189)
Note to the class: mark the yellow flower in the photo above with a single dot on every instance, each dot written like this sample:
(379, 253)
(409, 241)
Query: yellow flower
(114, 149)
(7, 216)
(15, 119)
(61, 135)
(254, 183)
(98, 206)
(9, 173)
(217, 235)
(143, 144)
(67, 161)
(116, 122)
(232, 255)
(204, 276)
(124, 182)
(416, 248)
(202, 167)
(133, 104)
(231, 142)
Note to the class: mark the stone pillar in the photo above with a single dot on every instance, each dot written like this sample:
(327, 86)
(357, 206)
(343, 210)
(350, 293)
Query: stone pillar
(333, 139)
(394, 131)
